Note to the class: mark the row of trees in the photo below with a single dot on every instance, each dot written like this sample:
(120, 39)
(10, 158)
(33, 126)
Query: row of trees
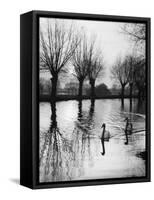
(60, 46)
(131, 69)
(88, 63)
(71, 88)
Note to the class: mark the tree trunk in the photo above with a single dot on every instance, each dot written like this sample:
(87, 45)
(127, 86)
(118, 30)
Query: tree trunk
(80, 89)
(54, 88)
(130, 90)
(92, 83)
(130, 105)
(139, 94)
(122, 92)
(130, 95)
(144, 93)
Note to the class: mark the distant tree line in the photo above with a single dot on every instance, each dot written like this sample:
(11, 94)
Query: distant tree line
(72, 89)
(101, 90)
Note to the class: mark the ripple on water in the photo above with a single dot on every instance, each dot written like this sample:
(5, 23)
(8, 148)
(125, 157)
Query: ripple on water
(70, 146)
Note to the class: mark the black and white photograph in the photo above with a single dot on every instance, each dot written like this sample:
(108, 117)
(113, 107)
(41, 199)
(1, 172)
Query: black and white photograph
(76, 100)
(92, 99)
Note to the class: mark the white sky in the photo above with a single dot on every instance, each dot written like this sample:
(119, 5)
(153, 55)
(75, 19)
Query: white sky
(109, 40)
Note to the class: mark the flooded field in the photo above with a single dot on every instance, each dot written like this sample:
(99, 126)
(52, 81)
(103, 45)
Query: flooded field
(70, 140)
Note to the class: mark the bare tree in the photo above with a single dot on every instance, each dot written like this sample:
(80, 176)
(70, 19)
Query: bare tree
(120, 72)
(140, 77)
(131, 62)
(95, 68)
(136, 67)
(80, 63)
(57, 46)
(135, 31)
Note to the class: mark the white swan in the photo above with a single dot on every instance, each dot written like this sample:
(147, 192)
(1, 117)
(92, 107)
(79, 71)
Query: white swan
(128, 129)
(105, 137)
(105, 134)
(129, 126)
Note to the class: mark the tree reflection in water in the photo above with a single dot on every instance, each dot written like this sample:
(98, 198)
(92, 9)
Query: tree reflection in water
(70, 147)
(62, 158)
(83, 137)
(56, 153)
(133, 110)
(141, 106)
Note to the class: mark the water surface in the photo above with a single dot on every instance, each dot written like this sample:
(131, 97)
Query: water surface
(70, 145)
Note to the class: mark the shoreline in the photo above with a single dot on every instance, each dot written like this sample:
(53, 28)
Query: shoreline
(46, 98)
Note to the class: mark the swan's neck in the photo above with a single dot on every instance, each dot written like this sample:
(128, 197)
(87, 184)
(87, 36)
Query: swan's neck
(127, 123)
(103, 132)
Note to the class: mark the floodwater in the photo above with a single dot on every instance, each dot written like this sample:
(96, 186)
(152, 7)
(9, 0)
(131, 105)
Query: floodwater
(70, 144)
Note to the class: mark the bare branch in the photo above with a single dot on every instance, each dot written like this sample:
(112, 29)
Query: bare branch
(135, 31)
(80, 59)
(57, 46)
(120, 71)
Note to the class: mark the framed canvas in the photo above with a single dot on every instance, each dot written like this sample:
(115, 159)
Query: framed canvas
(85, 99)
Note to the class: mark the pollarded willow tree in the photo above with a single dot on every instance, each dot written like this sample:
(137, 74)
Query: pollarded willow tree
(140, 77)
(130, 60)
(136, 32)
(57, 45)
(120, 72)
(136, 74)
(80, 61)
(95, 68)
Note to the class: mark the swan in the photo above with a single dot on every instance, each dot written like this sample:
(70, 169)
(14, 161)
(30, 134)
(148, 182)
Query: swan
(105, 137)
(129, 126)
(105, 134)
(128, 129)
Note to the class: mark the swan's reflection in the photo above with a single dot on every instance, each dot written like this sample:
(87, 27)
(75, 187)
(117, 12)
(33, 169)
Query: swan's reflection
(70, 146)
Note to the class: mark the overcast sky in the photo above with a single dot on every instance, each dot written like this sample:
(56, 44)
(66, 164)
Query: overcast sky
(109, 40)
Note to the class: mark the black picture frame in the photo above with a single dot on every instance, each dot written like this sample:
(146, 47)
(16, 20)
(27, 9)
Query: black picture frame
(29, 99)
